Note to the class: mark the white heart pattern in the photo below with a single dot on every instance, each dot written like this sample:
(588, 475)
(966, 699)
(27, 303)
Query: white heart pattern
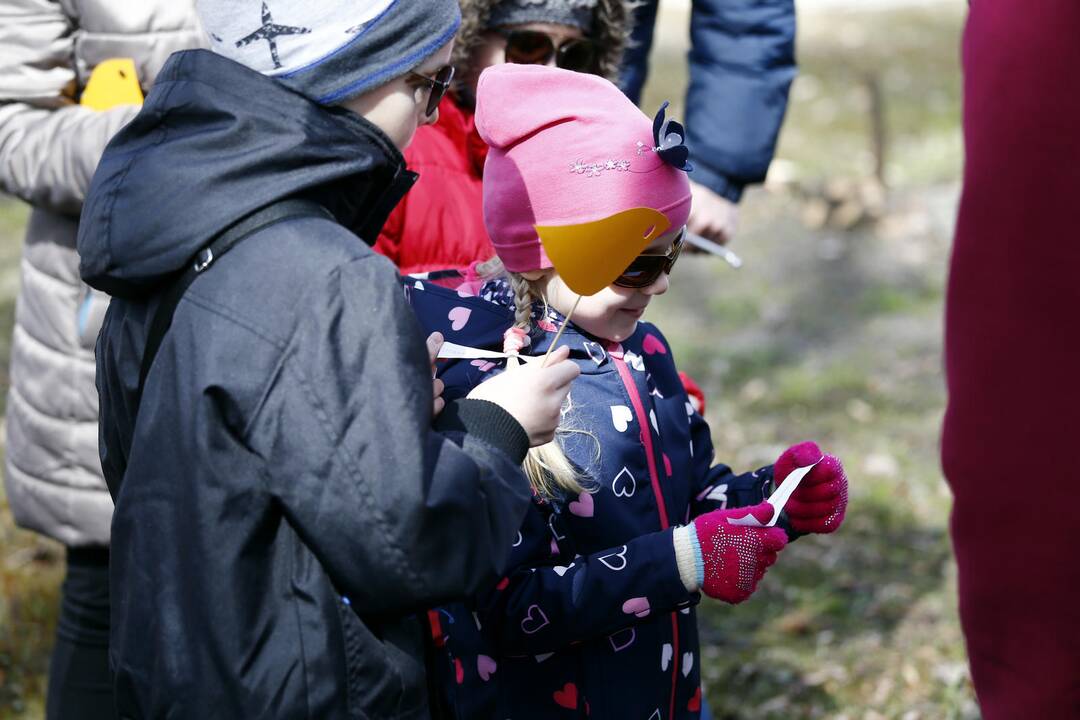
(621, 417)
(719, 494)
(621, 555)
(554, 532)
(634, 360)
(596, 353)
(665, 656)
(624, 484)
(543, 656)
(622, 639)
(652, 419)
(687, 663)
(560, 570)
(534, 621)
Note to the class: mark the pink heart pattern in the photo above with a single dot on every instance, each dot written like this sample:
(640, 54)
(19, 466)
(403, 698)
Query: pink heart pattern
(652, 345)
(583, 506)
(638, 606)
(485, 667)
(459, 317)
(484, 365)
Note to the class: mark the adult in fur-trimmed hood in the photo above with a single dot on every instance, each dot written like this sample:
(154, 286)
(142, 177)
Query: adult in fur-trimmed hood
(440, 222)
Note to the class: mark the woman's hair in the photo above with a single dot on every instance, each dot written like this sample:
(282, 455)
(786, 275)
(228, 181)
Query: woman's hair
(549, 471)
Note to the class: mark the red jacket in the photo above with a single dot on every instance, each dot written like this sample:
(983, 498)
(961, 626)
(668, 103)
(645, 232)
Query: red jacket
(440, 223)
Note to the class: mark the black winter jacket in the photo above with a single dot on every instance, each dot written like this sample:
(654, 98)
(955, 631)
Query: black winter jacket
(283, 504)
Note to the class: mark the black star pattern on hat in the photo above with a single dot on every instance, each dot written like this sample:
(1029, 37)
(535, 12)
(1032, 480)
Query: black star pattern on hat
(270, 32)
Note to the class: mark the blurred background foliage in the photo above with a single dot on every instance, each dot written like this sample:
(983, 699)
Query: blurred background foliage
(831, 331)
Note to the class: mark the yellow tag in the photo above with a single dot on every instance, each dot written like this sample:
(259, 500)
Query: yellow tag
(589, 256)
(113, 82)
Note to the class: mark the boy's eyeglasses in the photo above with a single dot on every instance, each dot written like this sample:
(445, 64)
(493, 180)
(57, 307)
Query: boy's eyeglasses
(530, 47)
(437, 86)
(645, 269)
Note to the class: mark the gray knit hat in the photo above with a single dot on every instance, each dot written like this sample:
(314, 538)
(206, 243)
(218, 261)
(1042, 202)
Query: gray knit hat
(329, 50)
(576, 13)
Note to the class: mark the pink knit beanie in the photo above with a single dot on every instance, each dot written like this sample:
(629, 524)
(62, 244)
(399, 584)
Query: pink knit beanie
(569, 148)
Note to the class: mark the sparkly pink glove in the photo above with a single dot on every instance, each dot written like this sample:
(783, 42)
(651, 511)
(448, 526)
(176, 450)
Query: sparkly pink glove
(734, 557)
(818, 505)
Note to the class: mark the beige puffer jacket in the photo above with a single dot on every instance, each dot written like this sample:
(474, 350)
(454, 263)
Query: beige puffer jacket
(49, 147)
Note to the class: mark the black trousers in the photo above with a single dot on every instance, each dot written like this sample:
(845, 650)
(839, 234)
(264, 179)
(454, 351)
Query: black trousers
(80, 684)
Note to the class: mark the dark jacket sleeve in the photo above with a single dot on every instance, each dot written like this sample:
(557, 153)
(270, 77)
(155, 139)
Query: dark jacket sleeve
(542, 607)
(717, 487)
(742, 62)
(401, 516)
(635, 68)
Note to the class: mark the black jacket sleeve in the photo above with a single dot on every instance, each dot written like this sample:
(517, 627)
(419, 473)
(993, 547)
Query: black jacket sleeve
(401, 516)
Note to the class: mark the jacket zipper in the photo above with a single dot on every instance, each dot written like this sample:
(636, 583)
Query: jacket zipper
(654, 476)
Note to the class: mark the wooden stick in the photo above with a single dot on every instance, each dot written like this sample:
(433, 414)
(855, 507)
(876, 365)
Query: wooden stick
(559, 334)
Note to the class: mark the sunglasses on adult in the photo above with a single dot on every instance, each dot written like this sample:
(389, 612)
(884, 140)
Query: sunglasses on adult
(645, 269)
(437, 86)
(532, 47)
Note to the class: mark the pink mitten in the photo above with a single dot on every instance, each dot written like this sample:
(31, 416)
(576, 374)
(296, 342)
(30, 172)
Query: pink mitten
(735, 557)
(819, 503)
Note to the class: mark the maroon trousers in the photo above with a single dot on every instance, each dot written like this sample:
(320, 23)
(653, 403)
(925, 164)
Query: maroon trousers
(1011, 442)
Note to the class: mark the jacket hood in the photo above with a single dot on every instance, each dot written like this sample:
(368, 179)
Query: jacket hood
(215, 142)
(612, 25)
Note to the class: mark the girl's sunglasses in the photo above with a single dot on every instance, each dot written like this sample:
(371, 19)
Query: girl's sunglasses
(645, 269)
(437, 86)
(529, 47)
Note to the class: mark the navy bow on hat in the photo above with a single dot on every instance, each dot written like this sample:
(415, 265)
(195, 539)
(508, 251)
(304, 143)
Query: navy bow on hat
(670, 138)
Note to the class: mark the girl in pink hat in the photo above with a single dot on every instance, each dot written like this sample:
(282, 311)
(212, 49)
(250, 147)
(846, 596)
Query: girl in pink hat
(630, 520)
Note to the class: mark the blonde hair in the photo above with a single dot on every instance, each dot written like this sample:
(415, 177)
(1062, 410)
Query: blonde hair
(548, 469)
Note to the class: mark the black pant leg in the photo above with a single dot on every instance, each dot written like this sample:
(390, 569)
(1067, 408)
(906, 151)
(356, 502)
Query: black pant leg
(80, 683)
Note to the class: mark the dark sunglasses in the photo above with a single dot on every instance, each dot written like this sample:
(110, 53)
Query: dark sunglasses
(645, 269)
(530, 47)
(437, 86)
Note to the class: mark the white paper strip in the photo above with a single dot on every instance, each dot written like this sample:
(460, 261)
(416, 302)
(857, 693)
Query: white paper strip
(715, 248)
(453, 351)
(778, 499)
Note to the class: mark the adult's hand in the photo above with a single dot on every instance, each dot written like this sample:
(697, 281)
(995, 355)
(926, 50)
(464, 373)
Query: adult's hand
(713, 216)
(533, 394)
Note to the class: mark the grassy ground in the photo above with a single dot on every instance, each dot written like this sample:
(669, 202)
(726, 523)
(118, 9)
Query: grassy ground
(825, 334)
(836, 335)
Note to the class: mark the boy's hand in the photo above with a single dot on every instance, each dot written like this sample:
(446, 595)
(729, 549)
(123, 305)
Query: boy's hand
(819, 503)
(533, 394)
(434, 344)
(735, 557)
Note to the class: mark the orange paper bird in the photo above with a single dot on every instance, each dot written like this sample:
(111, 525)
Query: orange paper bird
(589, 256)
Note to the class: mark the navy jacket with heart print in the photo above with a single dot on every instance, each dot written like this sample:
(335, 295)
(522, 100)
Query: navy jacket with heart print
(593, 618)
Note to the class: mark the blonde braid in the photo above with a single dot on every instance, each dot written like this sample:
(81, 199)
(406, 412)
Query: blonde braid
(547, 466)
(523, 301)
